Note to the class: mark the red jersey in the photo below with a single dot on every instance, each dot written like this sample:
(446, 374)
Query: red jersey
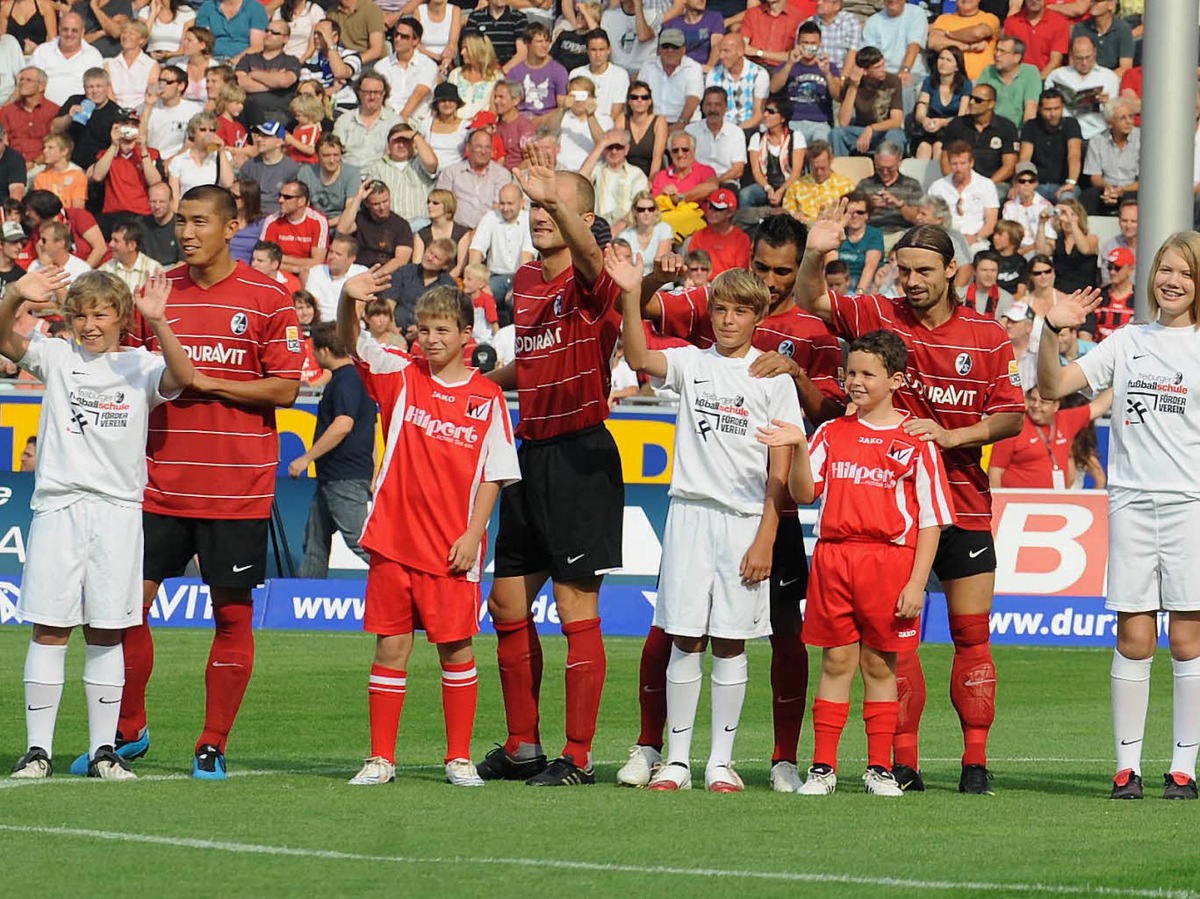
(307, 134)
(209, 458)
(443, 441)
(125, 188)
(297, 238)
(80, 221)
(231, 131)
(877, 483)
(1032, 457)
(566, 333)
(728, 251)
(957, 373)
(1113, 312)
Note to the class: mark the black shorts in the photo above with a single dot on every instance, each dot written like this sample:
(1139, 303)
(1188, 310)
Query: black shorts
(232, 552)
(963, 553)
(565, 514)
(789, 575)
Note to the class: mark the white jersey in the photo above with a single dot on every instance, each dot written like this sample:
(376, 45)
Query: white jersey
(1156, 420)
(717, 454)
(95, 415)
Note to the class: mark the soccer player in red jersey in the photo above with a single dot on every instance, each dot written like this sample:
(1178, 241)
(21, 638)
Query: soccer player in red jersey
(964, 391)
(449, 451)
(884, 501)
(212, 456)
(563, 520)
(799, 345)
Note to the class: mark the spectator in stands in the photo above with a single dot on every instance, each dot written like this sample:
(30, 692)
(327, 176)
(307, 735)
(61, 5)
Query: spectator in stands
(28, 118)
(238, 26)
(476, 181)
(1111, 34)
(647, 130)
(447, 131)
(407, 171)
(268, 77)
(1054, 144)
(410, 74)
(92, 132)
(513, 128)
(570, 46)
(333, 65)
(727, 247)
(769, 30)
(576, 124)
(41, 23)
(1007, 240)
(271, 168)
(841, 33)
(776, 158)
(632, 29)
(945, 95)
(701, 28)
(837, 277)
(248, 197)
(984, 294)
(650, 236)
(543, 81)
(893, 196)
(1017, 84)
(1073, 343)
(343, 449)
(325, 281)
(993, 140)
(1126, 236)
(1087, 85)
(872, 107)
(611, 83)
(745, 83)
(196, 50)
(502, 242)
(267, 258)
(165, 120)
(330, 183)
(362, 27)
(61, 177)
(87, 240)
(684, 181)
(442, 206)
(900, 30)
(384, 238)
(476, 78)
(1072, 250)
(675, 80)
(862, 248)
(720, 144)
(970, 29)
(300, 231)
(972, 198)
(131, 69)
(364, 132)
(1116, 307)
(810, 81)
(1113, 162)
(65, 59)
(125, 172)
(53, 248)
(615, 180)
(503, 27)
(821, 186)
(1046, 35)
(129, 262)
(158, 228)
(1018, 321)
(1040, 456)
(1025, 205)
(29, 456)
(202, 160)
(412, 280)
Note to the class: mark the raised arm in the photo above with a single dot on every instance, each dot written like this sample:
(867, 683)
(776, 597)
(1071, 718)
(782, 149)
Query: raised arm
(545, 188)
(628, 275)
(1054, 380)
(825, 235)
(36, 288)
(356, 293)
(152, 304)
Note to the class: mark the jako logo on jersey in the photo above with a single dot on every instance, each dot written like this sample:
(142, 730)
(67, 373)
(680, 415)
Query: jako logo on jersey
(900, 452)
(239, 323)
(863, 474)
(787, 348)
(439, 429)
(478, 407)
(949, 396)
(444, 397)
(871, 441)
(962, 364)
(531, 343)
(220, 353)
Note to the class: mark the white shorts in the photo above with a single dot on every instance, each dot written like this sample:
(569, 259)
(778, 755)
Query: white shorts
(700, 592)
(83, 565)
(1152, 562)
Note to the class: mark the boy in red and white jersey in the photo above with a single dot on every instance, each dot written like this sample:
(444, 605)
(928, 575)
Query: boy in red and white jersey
(884, 501)
(449, 451)
(963, 390)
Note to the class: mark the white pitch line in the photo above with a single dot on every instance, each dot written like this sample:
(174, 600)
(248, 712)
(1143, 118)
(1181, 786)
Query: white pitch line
(600, 867)
(14, 783)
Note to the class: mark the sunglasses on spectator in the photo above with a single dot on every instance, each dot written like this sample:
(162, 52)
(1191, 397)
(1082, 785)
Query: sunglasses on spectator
(1112, 266)
(1027, 181)
(645, 208)
(975, 99)
(1041, 271)
(679, 151)
(168, 80)
(284, 196)
(771, 110)
(639, 96)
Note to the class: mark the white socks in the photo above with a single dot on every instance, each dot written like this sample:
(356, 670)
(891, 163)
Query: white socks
(1187, 715)
(1130, 699)
(729, 678)
(103, 683)
(684, 673)
(45, 671)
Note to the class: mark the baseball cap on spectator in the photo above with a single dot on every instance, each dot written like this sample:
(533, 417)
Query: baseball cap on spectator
(1121, 256)
(1016, 312)
(722, 198)
(272, 129)
(14, 233)
(671, 37)
(482, 119)
(1025, 168)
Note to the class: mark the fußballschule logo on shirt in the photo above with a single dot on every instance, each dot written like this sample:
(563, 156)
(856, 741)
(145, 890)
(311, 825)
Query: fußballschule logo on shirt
(1158, 393)
(98, 410)
(725, 414)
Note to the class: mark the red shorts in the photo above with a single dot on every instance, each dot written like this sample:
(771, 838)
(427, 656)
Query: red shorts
(852, 594)
(402, 599)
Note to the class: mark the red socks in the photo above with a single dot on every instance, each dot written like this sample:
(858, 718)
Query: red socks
(460, 693)
(829, 720)
(385, 698)
(910, 689)
(139, 662)
(973, 684)
(519, 653)
(230, 663)
(586, 668)
(652, 687)
(880, 721)
(789, 687)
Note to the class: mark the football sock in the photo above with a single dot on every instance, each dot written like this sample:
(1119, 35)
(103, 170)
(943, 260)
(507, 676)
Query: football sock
(729, 678)
(460, 694)
(586, 668)
(1187, 715)
(685, 671)
(880, 721)
(230, 663)
(973, 684)
(519, 654)
(139, 663)
(829, 720)
(652, 683)
(103, 679)
(910, 689)
(45, 671)
(385, 702)
(789, 689)
(1130, 699)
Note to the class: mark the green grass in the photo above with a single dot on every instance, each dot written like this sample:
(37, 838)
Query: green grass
(303, 731)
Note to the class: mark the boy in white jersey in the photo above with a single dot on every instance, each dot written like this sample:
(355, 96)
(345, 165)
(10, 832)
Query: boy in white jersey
(726, 493)
(83, 565)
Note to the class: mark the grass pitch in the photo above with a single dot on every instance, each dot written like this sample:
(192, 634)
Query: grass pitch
(285, 824)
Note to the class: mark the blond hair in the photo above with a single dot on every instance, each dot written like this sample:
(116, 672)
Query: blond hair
(446, 302)
(483, 55)
(230, 93)
(740, 286)
(309, 107)
(96, 288)
(1187, 245)
(62, 141)
(477, 270)
(446, 198)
